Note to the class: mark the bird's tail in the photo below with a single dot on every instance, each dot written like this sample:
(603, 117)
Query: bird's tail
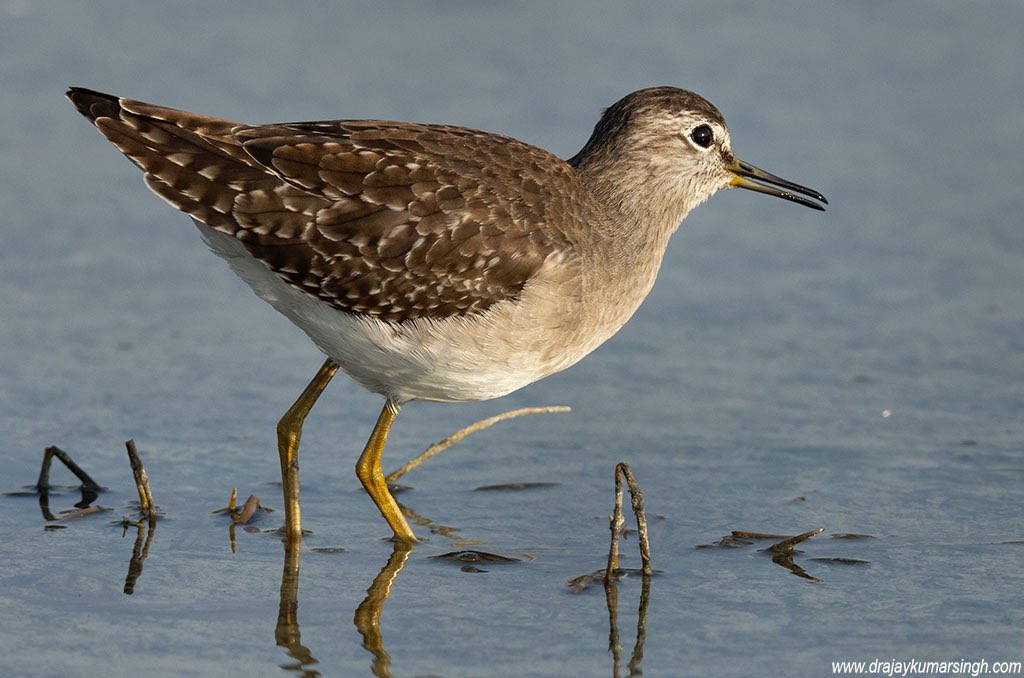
(192, 161)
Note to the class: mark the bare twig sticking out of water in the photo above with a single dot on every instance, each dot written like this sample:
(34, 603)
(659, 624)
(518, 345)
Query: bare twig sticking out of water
(636, 497)
(437, 448)
(141, 483)
(44, 472)
(612, 571)
(611, 591)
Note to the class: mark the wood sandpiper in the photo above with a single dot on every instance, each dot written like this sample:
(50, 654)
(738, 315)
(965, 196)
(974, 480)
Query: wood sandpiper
(432, 262)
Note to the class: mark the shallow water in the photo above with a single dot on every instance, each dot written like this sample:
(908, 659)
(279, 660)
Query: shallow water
(858, 371)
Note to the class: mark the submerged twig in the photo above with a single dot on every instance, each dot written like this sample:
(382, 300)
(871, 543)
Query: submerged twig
(77, 513)
(786, 546)
(44, 472)
(141, 483)
(439, 447)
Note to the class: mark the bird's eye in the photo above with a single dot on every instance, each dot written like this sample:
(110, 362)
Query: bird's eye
(702, 136)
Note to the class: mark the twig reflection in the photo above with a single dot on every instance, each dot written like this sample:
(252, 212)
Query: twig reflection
(88, 497)
(611, 594)
(449, 533)
(140, 550)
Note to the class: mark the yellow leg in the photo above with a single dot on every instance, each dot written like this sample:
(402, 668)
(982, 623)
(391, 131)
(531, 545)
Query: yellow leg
(289, 431)
(372, 477)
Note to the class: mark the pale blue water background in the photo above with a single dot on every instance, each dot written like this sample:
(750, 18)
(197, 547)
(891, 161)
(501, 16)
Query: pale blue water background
(756, 374)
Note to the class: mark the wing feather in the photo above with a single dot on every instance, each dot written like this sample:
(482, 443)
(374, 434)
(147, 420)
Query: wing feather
(394, 220)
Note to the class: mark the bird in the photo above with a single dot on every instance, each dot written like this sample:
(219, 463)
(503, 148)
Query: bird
(435, 262)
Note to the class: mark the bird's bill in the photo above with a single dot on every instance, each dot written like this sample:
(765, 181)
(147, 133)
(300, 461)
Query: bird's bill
(753, 179)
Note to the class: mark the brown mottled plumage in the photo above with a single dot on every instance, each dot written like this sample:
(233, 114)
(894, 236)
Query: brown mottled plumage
(434, 262)
(393, 220)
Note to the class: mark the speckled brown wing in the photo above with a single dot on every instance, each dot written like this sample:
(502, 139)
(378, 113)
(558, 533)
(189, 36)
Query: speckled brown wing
(393, 220)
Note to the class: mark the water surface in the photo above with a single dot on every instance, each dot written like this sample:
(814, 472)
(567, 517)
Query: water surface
(858, 371)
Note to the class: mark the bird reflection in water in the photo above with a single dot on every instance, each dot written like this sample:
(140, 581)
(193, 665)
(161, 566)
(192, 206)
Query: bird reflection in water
(366, 617)
(286, 633)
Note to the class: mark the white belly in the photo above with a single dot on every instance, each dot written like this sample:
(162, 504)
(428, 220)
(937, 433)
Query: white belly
(458, 358)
